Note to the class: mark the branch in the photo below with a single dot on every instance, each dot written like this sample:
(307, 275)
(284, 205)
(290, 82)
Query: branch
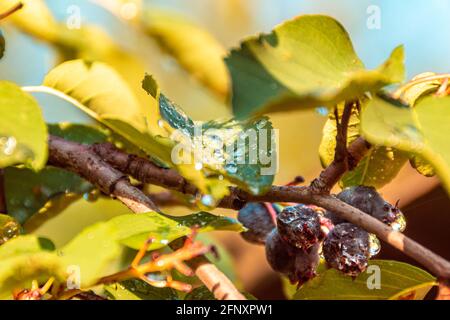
(307, 195)
(10, 11)
(82, 160)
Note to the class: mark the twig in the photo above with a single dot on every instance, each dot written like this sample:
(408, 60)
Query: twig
(82, 160)
(237, 198)
(333, 173)
(10, 11)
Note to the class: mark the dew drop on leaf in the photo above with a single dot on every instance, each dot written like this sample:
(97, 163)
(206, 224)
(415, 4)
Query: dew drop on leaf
(9, 228)
(374, 245)
(400, 223)
(322, 111)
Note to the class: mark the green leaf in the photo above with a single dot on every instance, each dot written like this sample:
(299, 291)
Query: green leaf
(102, 94)
(133, 230)
(305, 62)
(193, 47)
(203, 293)
(27, 192)
(25, 244)
(23, 133)
(24, 259)
(422, 166)
(136, 289)
(398, 280)
(230, 148)
(95, 251)
(78, 133)
(376, 169)
(9, 228)
(422, 131)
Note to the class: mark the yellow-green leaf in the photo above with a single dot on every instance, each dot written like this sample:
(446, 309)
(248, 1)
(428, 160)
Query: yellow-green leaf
(23, 133)
(305, 62)
(397, 280)
(192, 46)
(422, 130)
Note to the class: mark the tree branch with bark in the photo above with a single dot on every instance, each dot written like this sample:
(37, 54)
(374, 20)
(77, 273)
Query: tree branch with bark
(107, 167)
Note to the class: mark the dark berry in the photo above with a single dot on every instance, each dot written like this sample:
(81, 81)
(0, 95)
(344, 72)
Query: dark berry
(279, 254)
(300, 226)
(258, 220)
(306, 263)
(368, 200)
(347, 249)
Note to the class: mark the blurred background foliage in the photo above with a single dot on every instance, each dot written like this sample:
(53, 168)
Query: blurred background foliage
(213, 27)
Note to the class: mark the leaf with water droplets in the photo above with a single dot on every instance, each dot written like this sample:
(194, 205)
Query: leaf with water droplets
(23, 133)
(133, 230)
(306, 62)
(240, 152)
(388, 280)
(422, 130)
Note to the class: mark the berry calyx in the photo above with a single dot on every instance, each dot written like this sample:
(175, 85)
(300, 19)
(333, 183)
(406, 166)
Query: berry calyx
(347, 249)
(300, 226)
(258, 220)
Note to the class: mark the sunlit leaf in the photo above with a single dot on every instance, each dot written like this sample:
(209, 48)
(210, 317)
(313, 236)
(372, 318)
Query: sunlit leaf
(305, 62)
(24, 259)
(133, 230)
(34, 18)
(397, 280)
(23, 133)
(192, 46)
(136, 289)
(422, 130)
(242, 152)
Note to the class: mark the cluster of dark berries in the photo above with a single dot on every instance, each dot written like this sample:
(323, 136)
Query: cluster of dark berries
(293, 241)
(296, 236)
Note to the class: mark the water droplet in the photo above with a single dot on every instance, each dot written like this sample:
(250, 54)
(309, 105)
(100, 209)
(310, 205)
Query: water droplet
(221, 177)
(198, 166)
(322, 111)
(8, 145)
(400, 223)
(231, 168)
(161, 123)
(9, 228)
(164, 241)
(208, 200)
(374, 245)
(92, 196)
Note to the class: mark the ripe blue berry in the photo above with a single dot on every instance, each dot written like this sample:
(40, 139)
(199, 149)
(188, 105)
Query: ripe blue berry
(368, 200)
(300, 226)
(347, 249)
(258, 220)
